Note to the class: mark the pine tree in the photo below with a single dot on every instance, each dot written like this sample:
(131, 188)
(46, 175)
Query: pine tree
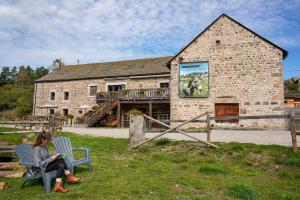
(4, 76)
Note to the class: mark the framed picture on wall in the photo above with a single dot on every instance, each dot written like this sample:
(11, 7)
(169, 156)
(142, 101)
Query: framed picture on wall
(193, 79)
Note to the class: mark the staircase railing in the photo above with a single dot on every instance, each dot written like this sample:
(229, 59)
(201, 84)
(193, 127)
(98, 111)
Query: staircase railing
(104, 107)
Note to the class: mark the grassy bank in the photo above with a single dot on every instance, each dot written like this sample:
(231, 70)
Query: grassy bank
(176, 170)
(11, 139)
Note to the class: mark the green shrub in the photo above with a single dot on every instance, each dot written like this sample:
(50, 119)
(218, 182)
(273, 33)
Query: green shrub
(242, 191)
(210, 169)
(24, 106)
(293, 161)
(162, 141)
(70, 116)
(95, 107)
(134, 112)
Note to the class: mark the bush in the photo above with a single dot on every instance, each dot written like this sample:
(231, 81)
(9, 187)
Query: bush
(162, 141)
(80, 119)
(24, 106)
(95, 107)
(242, 191)
(70, 116)
(210, 169)
(134, 112)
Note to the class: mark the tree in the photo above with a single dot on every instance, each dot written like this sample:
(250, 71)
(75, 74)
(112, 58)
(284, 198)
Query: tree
(40, 71)
(4, 76)
(24, 105)
(12, 74)
(290, 85)
(22, 77)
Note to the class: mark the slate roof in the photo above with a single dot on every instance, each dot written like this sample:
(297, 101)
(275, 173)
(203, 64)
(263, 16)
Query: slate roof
(126, 68)
(291, 94)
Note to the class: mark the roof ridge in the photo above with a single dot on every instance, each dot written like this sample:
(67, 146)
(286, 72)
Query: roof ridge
(119, 61)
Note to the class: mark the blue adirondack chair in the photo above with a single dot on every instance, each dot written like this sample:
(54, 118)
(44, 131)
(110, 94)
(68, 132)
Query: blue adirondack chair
(62, 144)
(25, 153)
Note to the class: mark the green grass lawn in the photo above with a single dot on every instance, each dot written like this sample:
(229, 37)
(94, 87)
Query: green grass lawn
(12, 139)
(176, 170)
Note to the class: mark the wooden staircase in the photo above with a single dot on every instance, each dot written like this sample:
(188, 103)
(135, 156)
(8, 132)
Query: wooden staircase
(104, 107)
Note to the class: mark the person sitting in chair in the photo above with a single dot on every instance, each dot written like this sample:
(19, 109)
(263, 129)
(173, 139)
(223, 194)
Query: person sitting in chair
(52, 162)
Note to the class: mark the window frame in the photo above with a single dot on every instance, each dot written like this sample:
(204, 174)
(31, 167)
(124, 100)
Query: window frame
(64, 111)
(64, 96)
(164, 83)
(89, 90)
(52, 92)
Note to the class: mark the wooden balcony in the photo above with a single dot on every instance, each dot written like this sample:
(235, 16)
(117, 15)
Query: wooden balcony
(134, 95)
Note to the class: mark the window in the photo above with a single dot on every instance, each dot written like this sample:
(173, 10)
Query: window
(164, 85)
(52, 96)
(51, 111)
(80, 112)
(115, 87)
(66, 95)
(65, 112)
(93, 90)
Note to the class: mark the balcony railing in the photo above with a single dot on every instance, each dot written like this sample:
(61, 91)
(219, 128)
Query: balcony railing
(136, 95)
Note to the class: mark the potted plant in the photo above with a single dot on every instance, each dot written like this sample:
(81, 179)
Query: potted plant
(70, 118)
(95, 107)
(101, 95)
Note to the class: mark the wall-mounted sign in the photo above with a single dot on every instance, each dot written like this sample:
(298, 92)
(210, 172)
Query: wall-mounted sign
(193, 79)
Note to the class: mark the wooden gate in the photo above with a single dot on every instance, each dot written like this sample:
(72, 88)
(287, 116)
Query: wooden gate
(227, 109)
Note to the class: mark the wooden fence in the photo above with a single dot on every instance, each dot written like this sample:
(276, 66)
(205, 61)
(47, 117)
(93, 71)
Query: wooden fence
(293, 117)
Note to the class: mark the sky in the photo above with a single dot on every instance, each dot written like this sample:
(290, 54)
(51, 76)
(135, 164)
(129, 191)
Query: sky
(35, 32)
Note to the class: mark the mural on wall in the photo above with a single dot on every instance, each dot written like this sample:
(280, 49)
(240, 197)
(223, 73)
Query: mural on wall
(193, 79)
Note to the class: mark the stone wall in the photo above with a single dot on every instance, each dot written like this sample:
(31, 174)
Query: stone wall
(242, 66)
(79, 92)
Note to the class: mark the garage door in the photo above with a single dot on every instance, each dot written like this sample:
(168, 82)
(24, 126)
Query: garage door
(227, 109)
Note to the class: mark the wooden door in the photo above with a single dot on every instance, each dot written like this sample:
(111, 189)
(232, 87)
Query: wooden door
(227, 109)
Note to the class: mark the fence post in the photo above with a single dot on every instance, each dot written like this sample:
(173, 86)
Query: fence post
(52, 124)
(136, 130)
(208, 126)
(293, 130)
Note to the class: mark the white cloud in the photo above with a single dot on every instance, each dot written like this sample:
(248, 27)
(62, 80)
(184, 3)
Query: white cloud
(36, 32)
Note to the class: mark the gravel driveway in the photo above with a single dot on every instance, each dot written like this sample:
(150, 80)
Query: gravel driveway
(279, 137)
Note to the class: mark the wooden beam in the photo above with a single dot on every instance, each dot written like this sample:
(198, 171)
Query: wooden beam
(146, 102)
(119, 114)
(150, 114)
(293, 130)
(175, 128)
(24, 122)
(9, 165)
(251, 117)
(16, 175)
(208, 127)
(3, 185)
(19, 132)
(122, 118)
(180, 131)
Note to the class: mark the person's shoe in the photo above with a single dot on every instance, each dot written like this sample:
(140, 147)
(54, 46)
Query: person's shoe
(72, 179)
(59, 188)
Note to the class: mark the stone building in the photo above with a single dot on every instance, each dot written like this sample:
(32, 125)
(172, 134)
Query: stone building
(239, 73)
(74, 89)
